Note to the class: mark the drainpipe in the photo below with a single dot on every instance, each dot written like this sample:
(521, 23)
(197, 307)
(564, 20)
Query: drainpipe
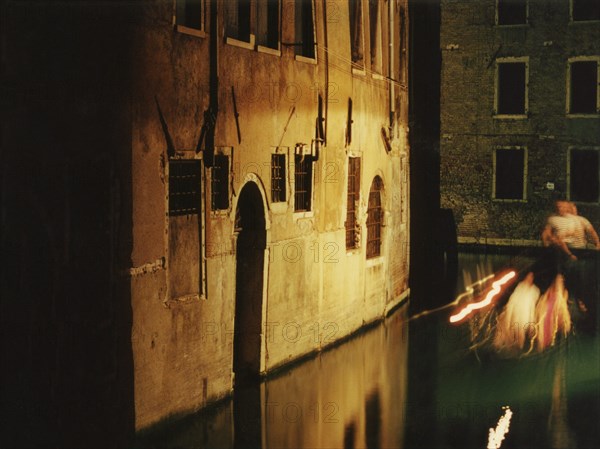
(326, 68)
(391, 64)
(213, 107)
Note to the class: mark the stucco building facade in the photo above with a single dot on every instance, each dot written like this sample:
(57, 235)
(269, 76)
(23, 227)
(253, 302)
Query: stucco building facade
(270, 194)
(196, 193)
(519, 115)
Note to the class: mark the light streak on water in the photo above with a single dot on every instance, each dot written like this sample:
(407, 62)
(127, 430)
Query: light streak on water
(469, 290)
(485, 302)
(496, 436)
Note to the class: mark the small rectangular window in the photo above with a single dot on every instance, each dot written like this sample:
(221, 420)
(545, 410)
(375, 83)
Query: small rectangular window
(305, 28)
(584, 183)
(582, 10)
(278, 178)
(184, 187)
(220, 183)
(353, 198)
(267, 23)
(583, 87)
(237, 19)
(509, 174)
(511, 91)
(303, 183)
(512, 12)
(190, 14)
(356, 31)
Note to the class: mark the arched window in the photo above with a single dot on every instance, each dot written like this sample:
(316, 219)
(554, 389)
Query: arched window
(374, 219)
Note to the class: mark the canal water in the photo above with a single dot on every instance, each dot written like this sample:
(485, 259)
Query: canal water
(414, 381)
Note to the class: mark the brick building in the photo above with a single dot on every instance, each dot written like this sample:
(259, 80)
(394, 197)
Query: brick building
(520, 114)
(222, 188)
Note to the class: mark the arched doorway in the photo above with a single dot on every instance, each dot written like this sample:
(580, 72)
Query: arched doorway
(250, 250)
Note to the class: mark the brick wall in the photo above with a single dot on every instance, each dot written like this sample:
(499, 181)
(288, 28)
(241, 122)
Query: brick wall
(470, 44)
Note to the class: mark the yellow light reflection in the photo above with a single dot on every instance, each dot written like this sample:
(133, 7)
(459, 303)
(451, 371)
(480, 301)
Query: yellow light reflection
(485, 302)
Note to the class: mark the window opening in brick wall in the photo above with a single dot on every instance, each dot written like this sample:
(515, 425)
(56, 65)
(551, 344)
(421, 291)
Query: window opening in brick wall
(511, 12)
(303, 182)
(220, 183)
(353, 198)
(511, 94)
(582, 10)
(267, 23)
(583, 87)
(374, 219)
(190, 14)
(237, 19)
(356, 31)
(278, 178)
(584, 182)
(184, 187)
(509, 173)
(305, 28)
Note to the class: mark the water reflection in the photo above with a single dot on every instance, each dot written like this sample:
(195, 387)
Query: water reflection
(247, 417)
(337, 399)
(558, 426)
(377, 390)
(351, 396)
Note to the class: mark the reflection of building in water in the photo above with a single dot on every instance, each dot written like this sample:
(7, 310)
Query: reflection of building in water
(220, 187)
(350, 401)
(350, 397)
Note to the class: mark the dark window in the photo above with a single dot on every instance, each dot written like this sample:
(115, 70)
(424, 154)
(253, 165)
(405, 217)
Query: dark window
(584, 176)
(374, 219)
(374, 32)
(267, 23)
(184, 187)
(303, 183)
(237, 19)
(220, 183)
(584, 87)
(586, 10)
(305, 29)
(278, 178)
(356, 36)
(512, 12)
(511, 88)
(352, 202)
(510, 169)
(190, 13)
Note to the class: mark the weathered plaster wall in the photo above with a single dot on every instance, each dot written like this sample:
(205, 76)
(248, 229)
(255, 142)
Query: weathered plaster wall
(173, 370)
(315, 291)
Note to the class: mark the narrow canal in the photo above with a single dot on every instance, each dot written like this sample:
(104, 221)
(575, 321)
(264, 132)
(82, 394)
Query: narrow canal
(414, 382)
